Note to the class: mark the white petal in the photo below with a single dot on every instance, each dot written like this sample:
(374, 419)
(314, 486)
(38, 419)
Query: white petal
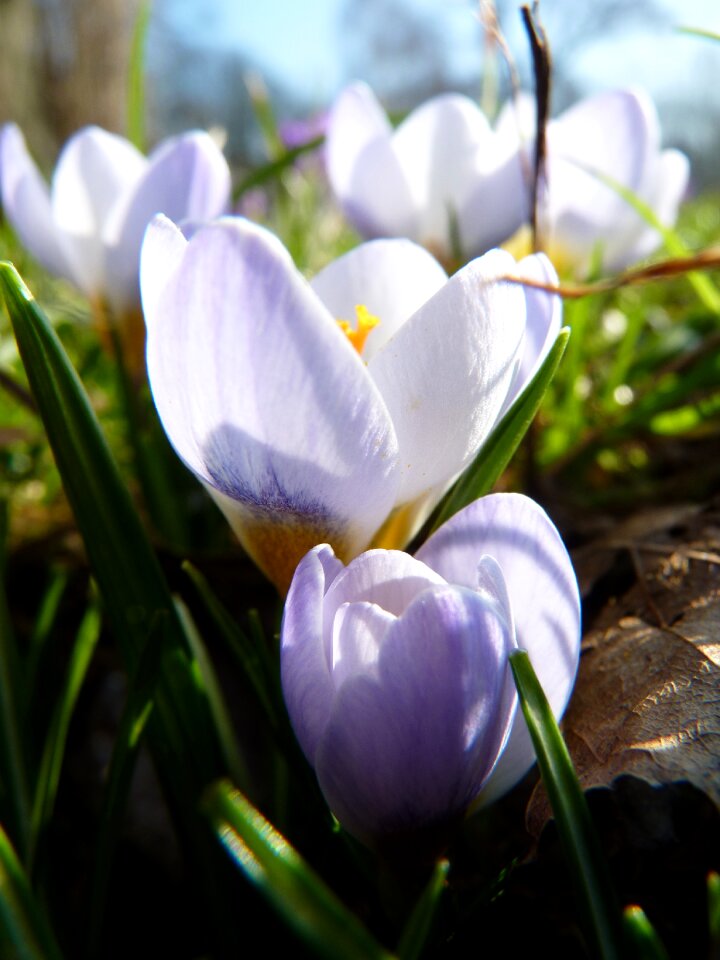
(445, 374)
(544, 320)
(94, 169)
(363, 169)
(260, 392)
(357, 635)
(443, 147)
(543, 594)
(186, 177)
(392, 278)
(26, 202)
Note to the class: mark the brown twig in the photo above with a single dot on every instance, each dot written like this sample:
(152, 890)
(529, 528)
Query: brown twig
(542, 70)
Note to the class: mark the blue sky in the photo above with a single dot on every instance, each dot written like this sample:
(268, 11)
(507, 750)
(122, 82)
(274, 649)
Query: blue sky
(297, 40)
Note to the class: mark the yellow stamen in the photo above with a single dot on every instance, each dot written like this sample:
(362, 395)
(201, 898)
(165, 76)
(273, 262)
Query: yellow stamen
(365, 323)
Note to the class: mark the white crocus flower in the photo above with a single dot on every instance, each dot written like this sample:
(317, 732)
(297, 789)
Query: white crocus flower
(443, 178)
(301, 433)
(583, 220)
(87, 225)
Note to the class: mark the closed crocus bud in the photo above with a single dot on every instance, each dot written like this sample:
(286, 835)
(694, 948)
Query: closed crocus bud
(395, 668)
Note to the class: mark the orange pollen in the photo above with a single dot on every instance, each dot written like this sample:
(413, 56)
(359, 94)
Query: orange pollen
(365, 323)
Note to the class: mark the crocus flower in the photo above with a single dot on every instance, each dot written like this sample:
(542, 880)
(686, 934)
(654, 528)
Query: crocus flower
(87, 227)
(582, 220)
(308, 431)
(395, 673)
(443, 178)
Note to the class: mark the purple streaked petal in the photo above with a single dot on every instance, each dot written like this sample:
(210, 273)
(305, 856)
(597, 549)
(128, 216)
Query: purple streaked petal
(543, 594)
(394, 757)
(306, 680)
(261, 394)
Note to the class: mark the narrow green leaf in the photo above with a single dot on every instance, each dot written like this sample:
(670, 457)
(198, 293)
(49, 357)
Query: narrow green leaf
(24, 933)
(13, 773)
(44, 623)
(420, 921)
(136, 78)
(591, 880)
(251, 653)
(297, 892)
(273, 169)
(713, 892)
(707, 293)
(486, 468)
(223, 724)
(641, 935)
(54, 749)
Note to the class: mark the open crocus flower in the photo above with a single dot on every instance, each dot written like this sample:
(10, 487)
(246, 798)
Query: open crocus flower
(395, 673)
(87, 227)
(308, 430)
(616, 135)
(443, 178)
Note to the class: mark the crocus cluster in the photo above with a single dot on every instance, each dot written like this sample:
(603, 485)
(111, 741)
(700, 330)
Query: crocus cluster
(336, 410)
(87, 226)
(395, 668)
(450, 181)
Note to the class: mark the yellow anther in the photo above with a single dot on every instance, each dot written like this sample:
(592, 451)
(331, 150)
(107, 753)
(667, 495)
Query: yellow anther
(358, 334)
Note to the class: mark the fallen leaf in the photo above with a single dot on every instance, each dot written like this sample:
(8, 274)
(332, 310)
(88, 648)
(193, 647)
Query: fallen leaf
(647, 698)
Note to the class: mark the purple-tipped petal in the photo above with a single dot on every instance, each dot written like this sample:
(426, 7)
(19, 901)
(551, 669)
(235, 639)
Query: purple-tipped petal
(392, 278)
(26, 202)
(543, 594)
(306, 679)
(264, 398)
(394, 756)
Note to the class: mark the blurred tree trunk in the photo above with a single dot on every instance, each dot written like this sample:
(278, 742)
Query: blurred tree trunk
(63, 64)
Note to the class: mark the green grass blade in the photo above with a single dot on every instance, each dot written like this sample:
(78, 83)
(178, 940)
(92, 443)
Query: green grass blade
(136, 78)
(251, 653)
(713, 893)
(706, 292)
(223, 725)
(641, 935)
(272, 170)
(44, 623)
(14, 787)
(54, 749)
(596, 898)
(295, 890)
(482, 474)
(24, 933)
(418, 926)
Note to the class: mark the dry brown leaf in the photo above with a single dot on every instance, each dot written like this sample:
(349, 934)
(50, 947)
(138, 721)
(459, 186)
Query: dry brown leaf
(647, 699)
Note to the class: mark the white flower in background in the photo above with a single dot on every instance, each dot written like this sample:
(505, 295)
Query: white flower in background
(443, 178)
(87, 225)
(583, 221)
